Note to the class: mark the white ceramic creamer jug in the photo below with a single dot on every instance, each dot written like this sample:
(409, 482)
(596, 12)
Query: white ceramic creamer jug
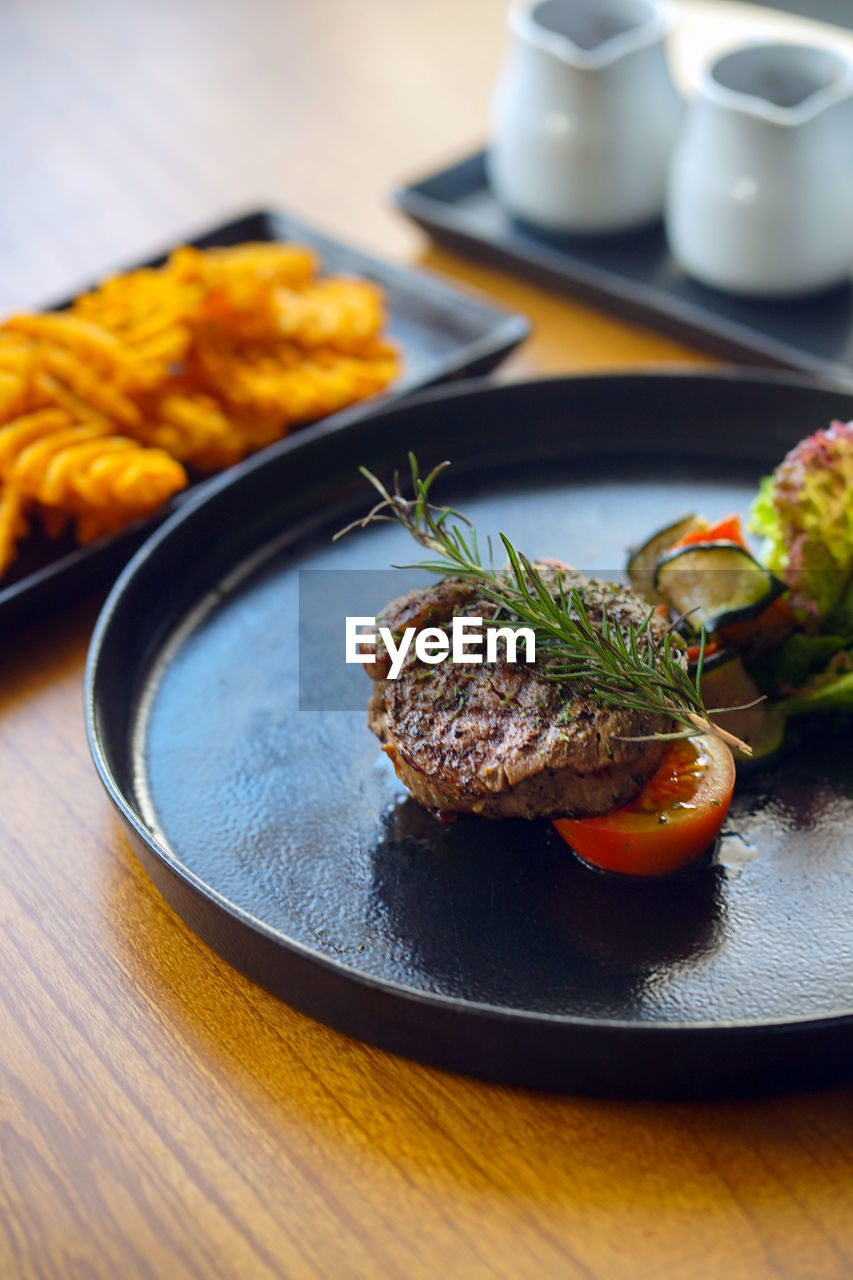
(585, 115)
(760, 197)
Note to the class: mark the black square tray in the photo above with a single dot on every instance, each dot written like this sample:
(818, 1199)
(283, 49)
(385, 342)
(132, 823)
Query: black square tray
(442, 332)
(636, 276)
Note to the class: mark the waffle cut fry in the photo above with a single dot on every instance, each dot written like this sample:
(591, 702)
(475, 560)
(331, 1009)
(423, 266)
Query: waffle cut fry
(194, 428)
(20, 371)
(343, 314)
(238, 284)
(151, 312)
(273, 262)
(196, 363)
(79, 471)
(284, 386)
(90, 345)
(13, 523)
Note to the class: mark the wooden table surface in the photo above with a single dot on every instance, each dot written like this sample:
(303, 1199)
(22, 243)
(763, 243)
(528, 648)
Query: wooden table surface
(159, 1115)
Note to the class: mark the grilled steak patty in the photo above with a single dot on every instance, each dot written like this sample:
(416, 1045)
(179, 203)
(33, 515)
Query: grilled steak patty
(500, 739)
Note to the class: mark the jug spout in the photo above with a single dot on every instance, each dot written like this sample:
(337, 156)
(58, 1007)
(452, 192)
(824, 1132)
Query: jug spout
(591, 34)
(782, 84)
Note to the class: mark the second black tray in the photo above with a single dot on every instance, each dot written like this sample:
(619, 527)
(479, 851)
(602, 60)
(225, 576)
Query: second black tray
(636, 276)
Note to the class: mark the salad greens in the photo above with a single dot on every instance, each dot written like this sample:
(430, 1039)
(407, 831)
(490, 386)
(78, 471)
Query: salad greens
(804, 513)
(778, 624)
(808, 673)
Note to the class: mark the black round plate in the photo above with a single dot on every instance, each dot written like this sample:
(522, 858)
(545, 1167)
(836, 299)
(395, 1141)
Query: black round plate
(284, 839)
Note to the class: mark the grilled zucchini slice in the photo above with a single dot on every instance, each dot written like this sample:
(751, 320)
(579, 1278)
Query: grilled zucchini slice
(643, 561)
(716, 583)
(761, 727)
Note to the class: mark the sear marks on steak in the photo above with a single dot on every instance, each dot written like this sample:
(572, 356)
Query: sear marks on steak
(499, 739)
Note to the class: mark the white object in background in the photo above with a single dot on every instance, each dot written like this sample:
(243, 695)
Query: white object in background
(760, 197)
(585, 115)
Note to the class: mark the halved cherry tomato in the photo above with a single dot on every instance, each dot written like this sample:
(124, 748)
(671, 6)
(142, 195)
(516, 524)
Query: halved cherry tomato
(726, 530)
(673, 820)
(693, 650)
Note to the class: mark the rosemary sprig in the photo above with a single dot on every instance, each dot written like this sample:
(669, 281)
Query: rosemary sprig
(631, 669)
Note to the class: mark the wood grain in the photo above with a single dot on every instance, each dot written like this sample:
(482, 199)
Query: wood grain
(159, 1115)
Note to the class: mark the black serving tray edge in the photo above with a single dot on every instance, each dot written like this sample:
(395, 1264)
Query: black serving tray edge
(725, 325)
